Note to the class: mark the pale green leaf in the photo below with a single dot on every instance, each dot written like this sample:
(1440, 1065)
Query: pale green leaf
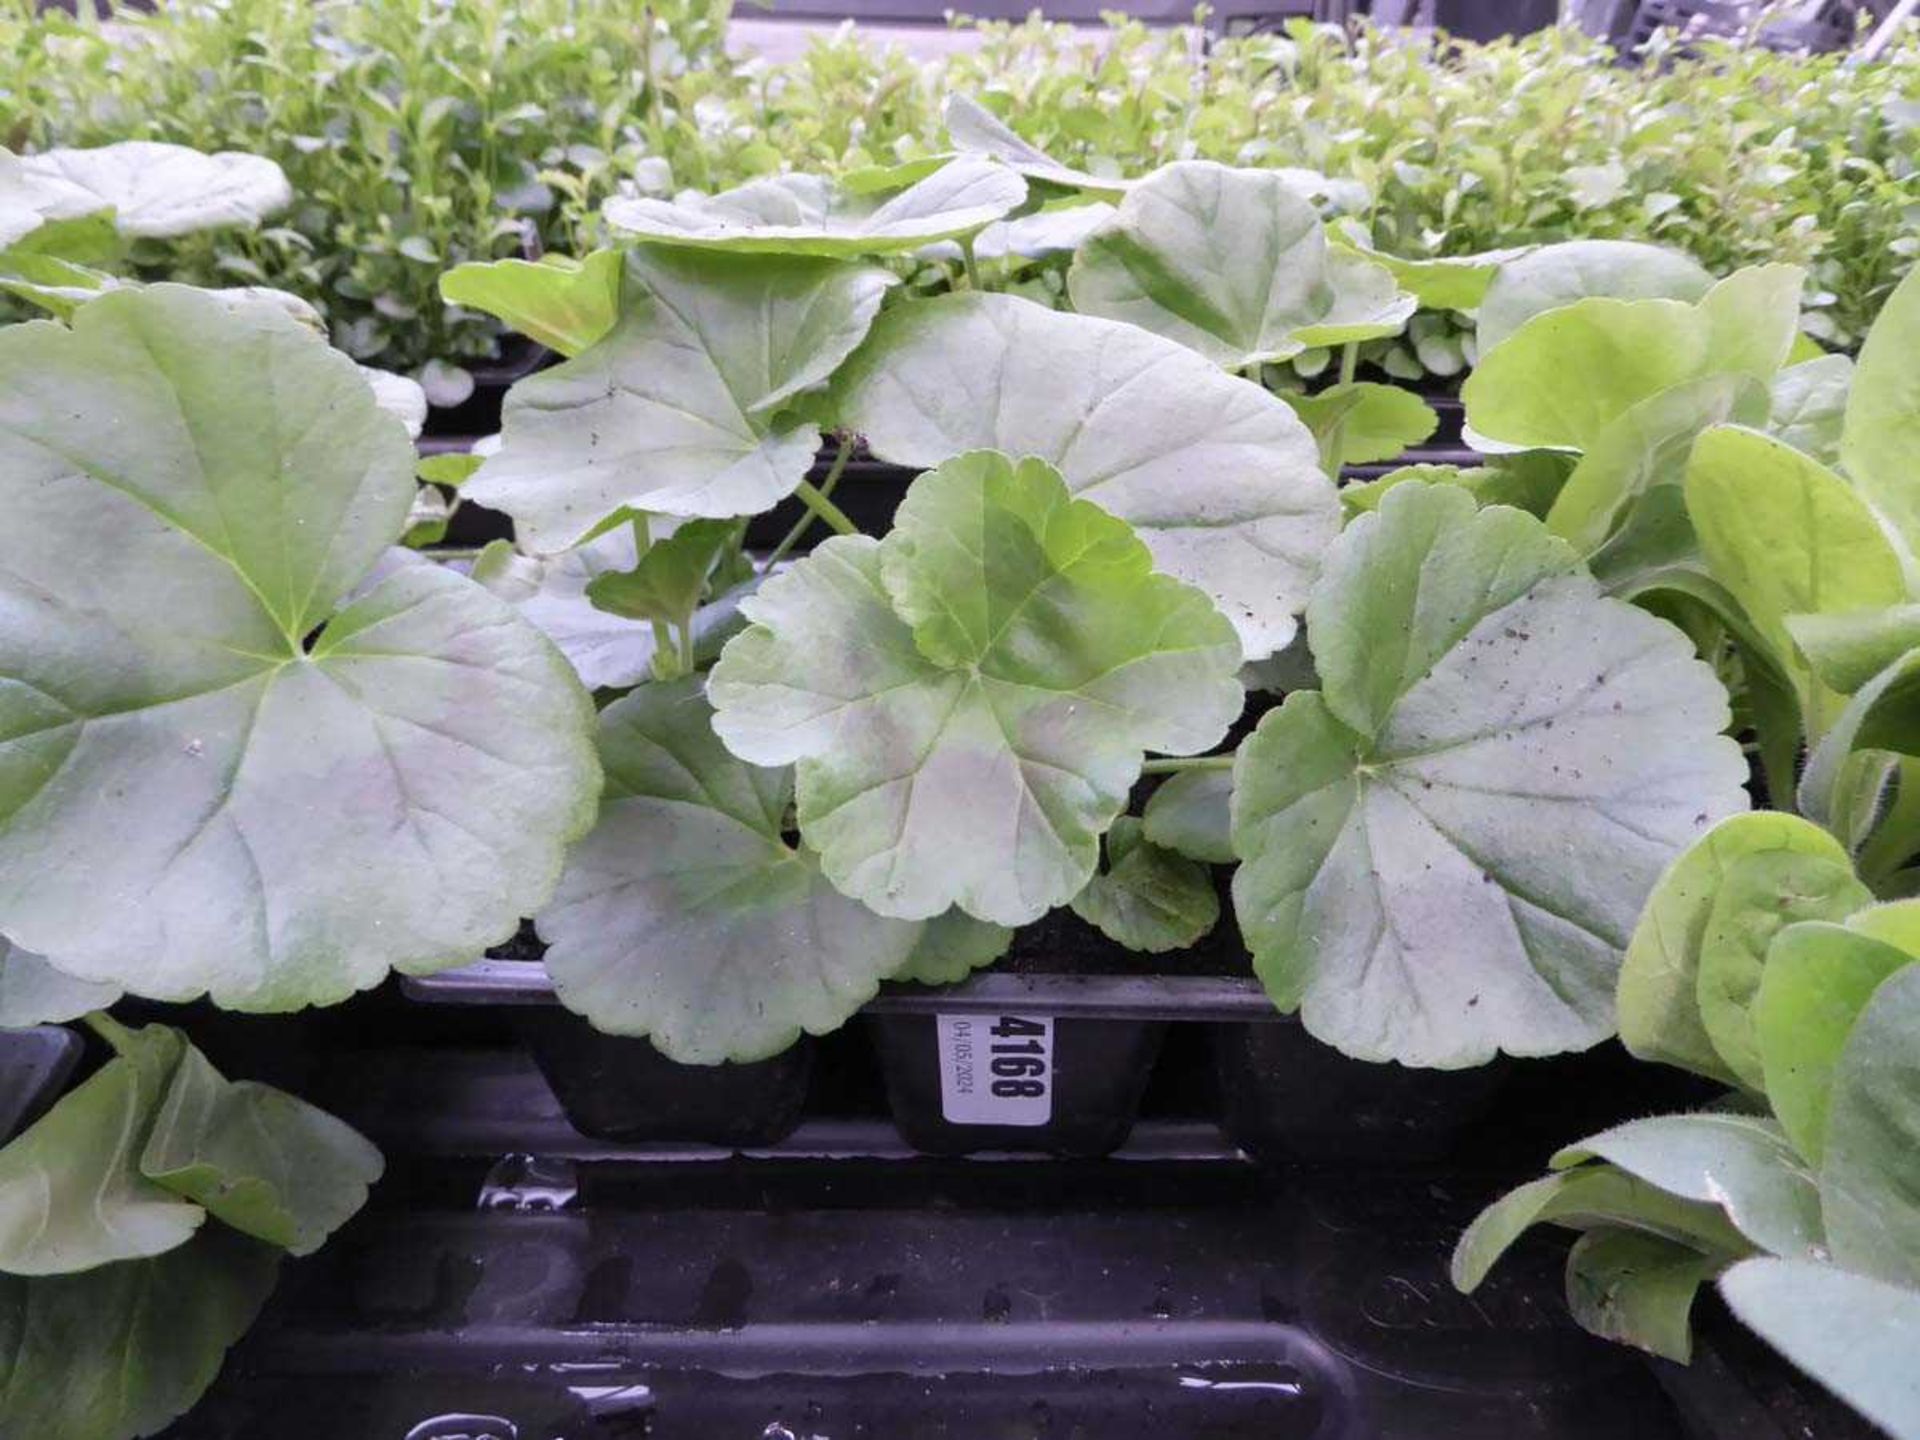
(975, 130)
(1555, 275)
(1218, 478)
(687, 917)
(565, 304)
(1659, 993)
(1809, 406)
(951, 947)
(679, 408)
(969, 700)
(193, 493)
(1148, 898)
(1366, 422)
(1637, 1289)
(1880, 438)
(808, 215)
(34, 992)
(670, 578)
(157, 190)
(1444, 853)
(1870, 1166)
(1191, 814)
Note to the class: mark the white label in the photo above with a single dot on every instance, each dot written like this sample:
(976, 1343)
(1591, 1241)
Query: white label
(996, 1069)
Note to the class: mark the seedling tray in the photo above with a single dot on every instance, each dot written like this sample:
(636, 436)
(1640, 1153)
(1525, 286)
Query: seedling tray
(1095, 1038)
(34, 1066)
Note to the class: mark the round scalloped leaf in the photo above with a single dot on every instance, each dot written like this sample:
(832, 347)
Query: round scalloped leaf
(685, 916)
(969, 700)
(1148, 898)
(214, 778)
(1234, 264)
(158, 190)
(1220, 479)
(606, 651)
(679, 409)
(809, 215)
(1444, 851)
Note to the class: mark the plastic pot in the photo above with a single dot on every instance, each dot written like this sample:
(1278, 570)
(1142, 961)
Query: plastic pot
(1286, 1097)
(1737, 1388)
(34, 1067)
(617, 1088)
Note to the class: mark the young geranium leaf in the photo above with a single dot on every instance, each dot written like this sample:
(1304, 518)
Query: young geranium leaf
(679, 409)
(1625, 353)
(157, 190)
(159, 1328)
(1148, 898)
(975, 130)
(1646, 446)
(1881, 432)
(671, 577)
(951, 947)
(1741, 1163)
(1555, 275)
(1787, 536)
(1637, 1289)
(565, 304)
(1364, 422)
(1759, 895)
(261, 1160)
(1819, 977)
(34, 992)
(195, 492)
(1530, 480)
(1444, 851)
(969, 700)
(686, 916)
(1809, 406)
(1870, 1168)
(1582, 1199)
(807, 215)
(1445, 282)
(1191, 814)
(1218, 478)
(71, 1193)
(452, 470)
(1234, 264)
(1053, 231)
(1659, 993)
(1856, 1336)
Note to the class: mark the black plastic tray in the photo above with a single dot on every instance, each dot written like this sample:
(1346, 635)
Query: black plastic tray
(34, 1066)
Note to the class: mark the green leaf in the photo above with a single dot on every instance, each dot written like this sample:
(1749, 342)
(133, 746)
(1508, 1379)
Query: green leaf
(57, 286)
(1644, 447)
(1445, 851)
(157, 1329)
(1191, 814)
(951, 947)
(1844, 776)
(1881, 433)
(1148, 898)
(975, 130)
(671, 577)
(1758, 896)
(1445, 282)
(1529, 481)
(1809, 406)
(565, 304)
(34, 992)
(681, 408)
(1590, 1197)
(157, 190)
(1856, 1336)
(1819, 977)
(71, 1193)
(968, 700)
(1555, 275)
(452, 470)
(1870, 1167)
(1637, 1289)
(1371, 422)
(1233, 264)
(687, 917)
(1847, 650)
(1787, 536)
(607, 651)
(195, 491)
(1741, 1163)
(807, 215)
(266, 1163)
(1218, 478)
(1659, 993)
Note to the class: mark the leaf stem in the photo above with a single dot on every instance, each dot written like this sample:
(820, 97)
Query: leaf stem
(108, 1029)
(1191, 762)
(643, 542)
(821, 506)
(973, 269)
(1349, 361)
(805, 522)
